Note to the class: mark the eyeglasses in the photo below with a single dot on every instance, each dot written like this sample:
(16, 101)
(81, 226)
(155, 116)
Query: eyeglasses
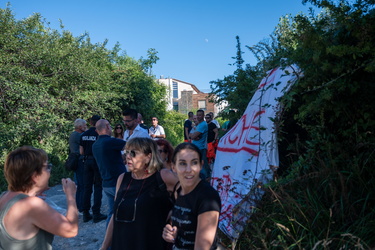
(131, 153)
(49, 167)
(134, 213)
(128, 209)
(127, 121)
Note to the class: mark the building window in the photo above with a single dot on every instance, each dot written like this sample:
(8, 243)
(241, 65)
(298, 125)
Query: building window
(202, 105)
(175, 106)
(175, 89)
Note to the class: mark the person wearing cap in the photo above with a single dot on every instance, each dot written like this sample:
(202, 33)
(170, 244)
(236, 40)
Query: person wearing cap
(91, 175)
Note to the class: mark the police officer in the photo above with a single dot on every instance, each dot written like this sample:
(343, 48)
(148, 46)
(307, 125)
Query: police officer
(91, 175)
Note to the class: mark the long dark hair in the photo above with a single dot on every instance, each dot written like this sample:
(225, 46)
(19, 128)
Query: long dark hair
(115, 134)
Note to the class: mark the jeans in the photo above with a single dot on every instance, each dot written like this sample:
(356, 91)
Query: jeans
(206, 171)
(110, 193)
(92, 177)
(78, 178)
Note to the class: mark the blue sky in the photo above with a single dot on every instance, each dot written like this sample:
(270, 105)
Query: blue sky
(195, 40)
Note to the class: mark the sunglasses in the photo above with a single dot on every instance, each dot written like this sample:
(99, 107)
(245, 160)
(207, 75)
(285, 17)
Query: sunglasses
(131, 153)
(49, 167)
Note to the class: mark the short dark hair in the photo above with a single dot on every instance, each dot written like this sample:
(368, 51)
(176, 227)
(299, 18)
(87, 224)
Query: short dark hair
(200, 110)
(20, 166)
(186, 145)
(130, 112)
(94, 119)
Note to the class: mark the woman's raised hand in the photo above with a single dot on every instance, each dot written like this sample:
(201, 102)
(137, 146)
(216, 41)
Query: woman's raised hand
(169, 233)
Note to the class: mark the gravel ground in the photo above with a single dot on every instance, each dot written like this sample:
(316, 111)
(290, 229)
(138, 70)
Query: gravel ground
(90, 235)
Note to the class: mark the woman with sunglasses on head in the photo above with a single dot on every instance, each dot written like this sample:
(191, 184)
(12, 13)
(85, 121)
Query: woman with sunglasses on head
(118, 131)
(166, 152)
(195, 215)
(142, 201)
(26, 220)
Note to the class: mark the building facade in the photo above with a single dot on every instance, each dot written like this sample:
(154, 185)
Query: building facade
(184, 97)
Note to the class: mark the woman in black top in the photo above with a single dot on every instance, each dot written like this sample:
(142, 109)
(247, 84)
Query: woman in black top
(118, 131)
(142, 201)
(196, 212)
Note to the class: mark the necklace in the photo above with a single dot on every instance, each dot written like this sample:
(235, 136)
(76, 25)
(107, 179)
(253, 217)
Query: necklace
(134, 176)
(135, 203)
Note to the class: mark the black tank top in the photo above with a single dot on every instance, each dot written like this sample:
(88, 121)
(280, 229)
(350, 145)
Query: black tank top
(140, 213)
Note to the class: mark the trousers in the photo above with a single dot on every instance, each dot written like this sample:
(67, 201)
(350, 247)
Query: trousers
(92, 178)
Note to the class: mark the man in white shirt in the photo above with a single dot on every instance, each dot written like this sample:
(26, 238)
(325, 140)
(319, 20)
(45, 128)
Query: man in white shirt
(156, 131)
(130, 119)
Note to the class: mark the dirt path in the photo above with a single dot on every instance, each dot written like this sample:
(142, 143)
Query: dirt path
(90, 235)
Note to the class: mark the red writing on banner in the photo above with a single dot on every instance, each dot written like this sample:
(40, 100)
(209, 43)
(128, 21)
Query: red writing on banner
(242, 137)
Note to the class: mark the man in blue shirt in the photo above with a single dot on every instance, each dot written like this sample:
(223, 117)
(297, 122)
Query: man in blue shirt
(107, 153)
(199, 138)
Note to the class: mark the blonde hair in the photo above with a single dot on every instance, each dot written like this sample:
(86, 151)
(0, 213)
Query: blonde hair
(146, 146)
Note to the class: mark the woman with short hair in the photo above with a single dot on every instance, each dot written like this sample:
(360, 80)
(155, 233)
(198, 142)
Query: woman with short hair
(27, 221)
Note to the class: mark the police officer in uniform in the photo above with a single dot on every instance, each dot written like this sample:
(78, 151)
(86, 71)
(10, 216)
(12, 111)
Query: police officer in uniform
(91, 175)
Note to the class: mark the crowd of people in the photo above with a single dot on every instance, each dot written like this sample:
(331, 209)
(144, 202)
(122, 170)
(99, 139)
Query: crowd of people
(158, 196)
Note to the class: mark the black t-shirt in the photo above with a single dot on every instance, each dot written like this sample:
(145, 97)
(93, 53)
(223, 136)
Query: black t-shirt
(211, 133)
(87, 139)
(188, 207)
(188, 124)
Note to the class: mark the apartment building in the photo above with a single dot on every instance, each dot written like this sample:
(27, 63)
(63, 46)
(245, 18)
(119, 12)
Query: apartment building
(184, 97)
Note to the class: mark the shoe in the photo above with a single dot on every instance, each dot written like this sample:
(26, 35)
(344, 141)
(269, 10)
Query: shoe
(86, 216)
(99, 217)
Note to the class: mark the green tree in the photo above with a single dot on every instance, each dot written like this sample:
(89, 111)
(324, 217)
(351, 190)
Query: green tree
(152, 58)
(325, 196)
(48, 78)
(236, 89)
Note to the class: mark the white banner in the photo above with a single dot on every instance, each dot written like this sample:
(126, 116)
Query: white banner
(247, 154)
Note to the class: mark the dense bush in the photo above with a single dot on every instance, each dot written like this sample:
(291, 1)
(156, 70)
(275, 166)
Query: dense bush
(324, 197)
(48, 78)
